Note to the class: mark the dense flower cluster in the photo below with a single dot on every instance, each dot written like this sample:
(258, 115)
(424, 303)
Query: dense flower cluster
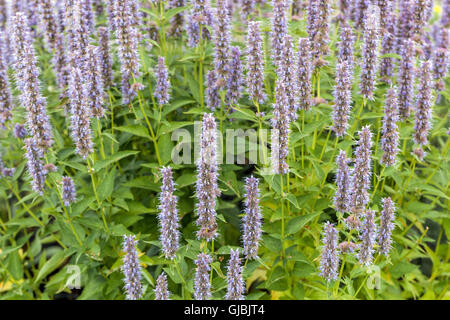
(389, 134)
(68, 191)
(255, 63)
(329, 261)
(362, 171)
(162, 82)
(202, 284)
(131, 268)
(342, 197)
(207, 172)
(386, 226)
(168, 215)
(235, 282)
(252, 220)
(27, 80)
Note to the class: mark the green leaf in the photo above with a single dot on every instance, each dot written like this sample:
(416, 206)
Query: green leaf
(106, 187)
(55, 261)
(295, 224)
(113, 158)
(137, 130)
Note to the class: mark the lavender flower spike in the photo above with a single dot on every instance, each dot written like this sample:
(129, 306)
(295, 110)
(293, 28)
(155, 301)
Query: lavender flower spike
(222, 42)
(131, 269)
(343, 98)
(54, 40)
(346, 46)
(287, 73)
(35, 164)
(105, 56)
(386, 226)
(247, 7)
(329, 262)
(27, 79)
(79, 114)
(168, 215)
(236, 284)
(318, 28)
(342, 197)
(406, 79)
(389, 136)
(440, 67)
(68, 191)
(234, 84)
(304, 73)
(202, 285)
(20, 131)
(370, 53)
(200, 16)
(255, 63)
(279, 29)
(127, 38)
(161, 289)
(94, 82)
(252, 220)
(5, 92)
(207, 188)
(162, 82)
(422, 124)
(360, 181)
(388, 46)
(177, 21)
(212, 91)
(280, 130)
(368, 237)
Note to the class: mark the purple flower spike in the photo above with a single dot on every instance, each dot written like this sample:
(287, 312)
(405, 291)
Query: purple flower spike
(168, 215)
(329, 262)
(279, 29)
(386, 226)
(405, 80)
(388, 46)
(368, 237)
(343, 98)
(207, 173)
(252, 220)
(79, 114)
(177, 21)
(5, 92)
(304, 73)
(131, 269)
(28, 82)
(35, 164)
(369, 53)
(424, 103)
(54, 40)
(234, 84)
(105, 56)
(318, 28)
(389, 136)
(346, 46)
(360, 181)
(68, 191)
(236, 286)
(287, 73)
(222, 42)
(255, 63)
(127, 38)
(200, 16)
(162, 82)
(342, 197)
(212, 91)
(20, 131)
(280, 130)
(202, 285)
(94, 82)
(161, 289)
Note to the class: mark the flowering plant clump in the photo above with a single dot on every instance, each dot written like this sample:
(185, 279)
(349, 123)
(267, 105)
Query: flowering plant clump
(224, 150)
